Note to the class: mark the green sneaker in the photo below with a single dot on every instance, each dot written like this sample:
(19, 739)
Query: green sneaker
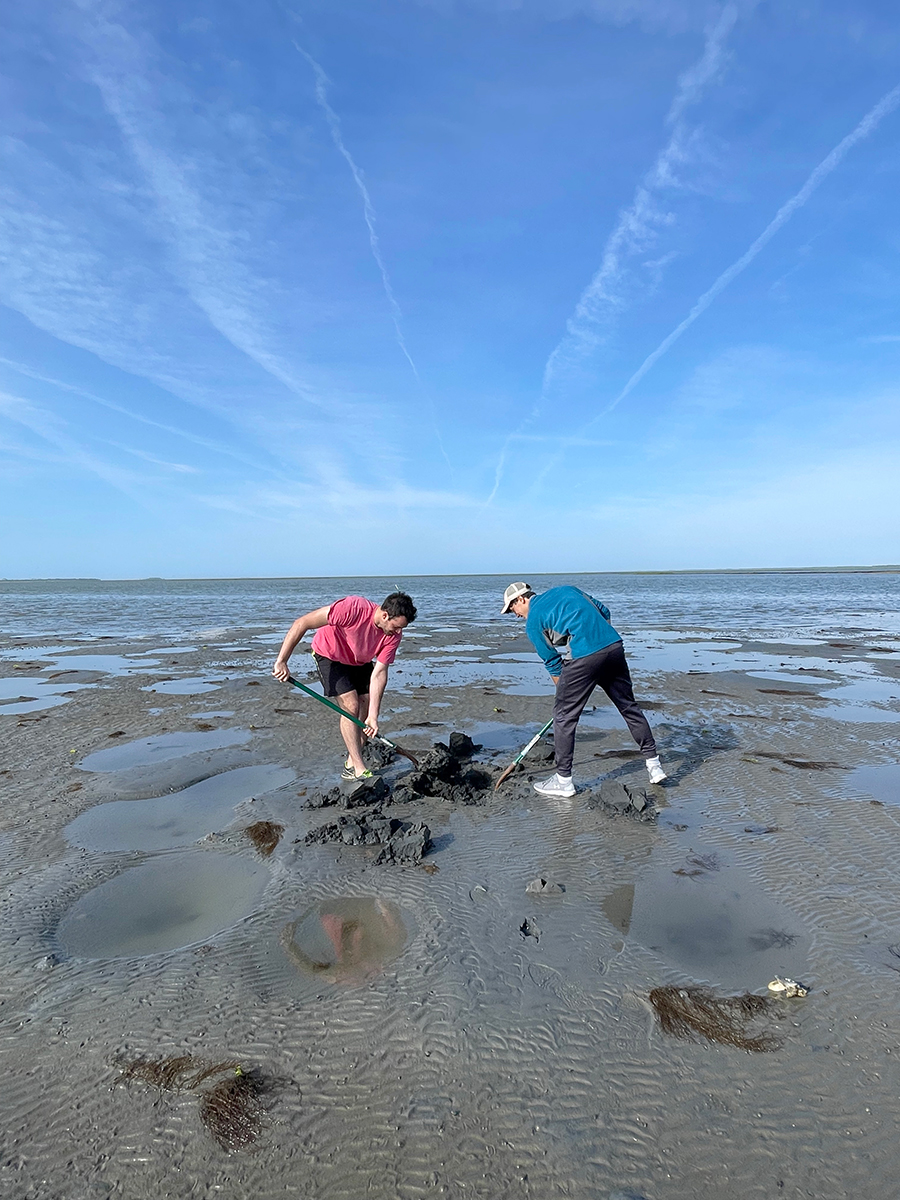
(349, 774)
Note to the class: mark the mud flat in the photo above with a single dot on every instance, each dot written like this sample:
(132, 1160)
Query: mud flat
(429, 1025)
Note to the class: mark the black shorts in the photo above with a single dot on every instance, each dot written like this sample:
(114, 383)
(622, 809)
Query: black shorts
(338, 678)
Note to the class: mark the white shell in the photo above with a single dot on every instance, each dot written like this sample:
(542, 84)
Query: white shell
(788, 987)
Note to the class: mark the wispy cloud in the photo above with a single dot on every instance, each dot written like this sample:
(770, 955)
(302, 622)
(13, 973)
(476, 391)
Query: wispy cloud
(48, 427)
(886, 105)
(625, 273)
(206, 443)
(179, 468)
(173, 229)
(206, 245)
(616, 284)
(673, 16)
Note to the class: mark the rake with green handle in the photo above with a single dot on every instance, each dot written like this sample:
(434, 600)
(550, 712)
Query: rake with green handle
(356, 721)
(515, 762)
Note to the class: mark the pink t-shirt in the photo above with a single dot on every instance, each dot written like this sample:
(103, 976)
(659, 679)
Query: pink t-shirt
(351, 636)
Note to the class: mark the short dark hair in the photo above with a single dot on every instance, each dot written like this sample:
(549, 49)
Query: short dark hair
(398, 604)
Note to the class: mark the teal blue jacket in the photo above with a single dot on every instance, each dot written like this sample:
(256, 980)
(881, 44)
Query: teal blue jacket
(566, 623)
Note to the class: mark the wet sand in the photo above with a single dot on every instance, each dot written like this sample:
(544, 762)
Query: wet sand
(444, 1032)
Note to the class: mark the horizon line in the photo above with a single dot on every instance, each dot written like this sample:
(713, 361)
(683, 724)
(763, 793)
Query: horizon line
(875, 569)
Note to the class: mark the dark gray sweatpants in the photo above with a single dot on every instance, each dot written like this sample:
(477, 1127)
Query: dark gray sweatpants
(606, 669)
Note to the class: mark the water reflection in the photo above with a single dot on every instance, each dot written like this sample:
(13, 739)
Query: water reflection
(347, 939)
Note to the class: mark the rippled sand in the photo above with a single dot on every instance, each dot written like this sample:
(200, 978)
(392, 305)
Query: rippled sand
(417, 1041)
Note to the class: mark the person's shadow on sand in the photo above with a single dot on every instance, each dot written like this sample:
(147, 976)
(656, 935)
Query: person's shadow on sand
(683, 748)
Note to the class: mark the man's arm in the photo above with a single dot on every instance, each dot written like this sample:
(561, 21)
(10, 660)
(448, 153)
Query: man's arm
(600, 606)
(550, 655)
(377, 685)
(311, 620)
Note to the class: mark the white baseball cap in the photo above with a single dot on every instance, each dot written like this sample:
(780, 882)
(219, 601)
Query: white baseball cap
(513, 592)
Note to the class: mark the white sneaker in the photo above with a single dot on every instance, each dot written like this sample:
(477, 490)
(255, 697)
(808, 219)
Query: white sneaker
(556, 786)
(655, 771)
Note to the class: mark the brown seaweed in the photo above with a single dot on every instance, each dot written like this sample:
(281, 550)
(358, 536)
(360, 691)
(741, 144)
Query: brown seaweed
(265, 836)
(684, 1012)
(179, 1073)
(232, 1111)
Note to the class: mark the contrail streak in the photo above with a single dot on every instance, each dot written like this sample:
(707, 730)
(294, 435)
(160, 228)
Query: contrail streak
(334, 124)
(870, 121)
(607, 294)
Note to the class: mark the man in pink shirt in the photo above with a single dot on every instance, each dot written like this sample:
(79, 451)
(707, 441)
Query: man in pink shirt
(349, 634)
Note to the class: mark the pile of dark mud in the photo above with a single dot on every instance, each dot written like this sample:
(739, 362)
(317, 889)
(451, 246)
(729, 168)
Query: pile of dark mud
(358, 793)
(619, 799)
(444, 773)
(400, 841)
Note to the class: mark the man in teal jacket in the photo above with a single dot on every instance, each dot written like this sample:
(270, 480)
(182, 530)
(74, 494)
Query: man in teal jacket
(571, 632)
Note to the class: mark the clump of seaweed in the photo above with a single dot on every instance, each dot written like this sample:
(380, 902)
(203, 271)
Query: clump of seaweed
(231, 1110)
(180, 1073)
(265, 836)
(684, 1012)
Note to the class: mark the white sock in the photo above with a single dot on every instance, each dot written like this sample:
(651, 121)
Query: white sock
(563, 778)
(653, 762)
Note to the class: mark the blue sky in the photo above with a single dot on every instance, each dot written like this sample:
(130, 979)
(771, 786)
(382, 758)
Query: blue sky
(448, 286)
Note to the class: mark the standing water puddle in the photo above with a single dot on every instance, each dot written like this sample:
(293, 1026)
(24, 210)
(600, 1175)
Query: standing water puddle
(160, 748)
(194, 686)
(882, 782)
(711, 920)
(174, 900)
(175, 820)
(345, 940)
(33, 694)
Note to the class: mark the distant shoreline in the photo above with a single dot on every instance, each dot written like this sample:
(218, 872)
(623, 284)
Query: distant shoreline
(874, 570)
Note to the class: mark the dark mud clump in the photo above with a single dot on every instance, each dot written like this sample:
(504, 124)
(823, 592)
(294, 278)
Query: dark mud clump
(358, 793)
(400, 841)
(685, 1012)
(265, 836)
(446, 774)
(231, 1110)
(377, 755)
(618, 799)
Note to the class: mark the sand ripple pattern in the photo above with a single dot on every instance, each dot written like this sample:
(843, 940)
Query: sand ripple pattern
(481, 1062)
